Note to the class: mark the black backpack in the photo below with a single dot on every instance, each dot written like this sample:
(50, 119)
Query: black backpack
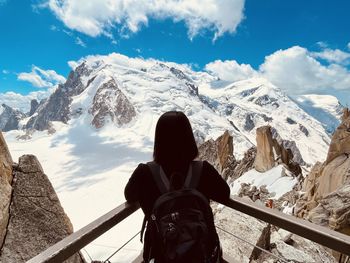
(181, 226)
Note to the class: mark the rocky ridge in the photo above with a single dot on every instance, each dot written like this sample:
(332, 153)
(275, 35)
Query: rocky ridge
(327, 187)
(280, 243)
(10, 118)
(32, 218)
(150, 87)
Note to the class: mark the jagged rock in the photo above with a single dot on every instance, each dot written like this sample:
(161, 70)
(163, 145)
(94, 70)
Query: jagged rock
(249, 122)
(265, 100)
(340, 143)
(37, 220)
(225, 149)
(254, 193)
(219, 153)
(272, 150)
(56, 107)
(5, 186)
(188, 82)
(334, 210)
(34, 104)
(10, 118)
(264, 160)
(208, 151)
(287, 144)
(327, 188)
(242, 226)
(244, 165)
(290, 121)
(303, 129)
(110, 102)
(293, 248)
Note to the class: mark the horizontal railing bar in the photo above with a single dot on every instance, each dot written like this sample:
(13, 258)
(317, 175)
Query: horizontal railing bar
(79, 239)
(319, 234)
(76, 241)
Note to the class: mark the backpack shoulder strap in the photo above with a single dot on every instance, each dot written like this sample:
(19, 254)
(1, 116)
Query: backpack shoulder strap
(159, 177)
(193, 174)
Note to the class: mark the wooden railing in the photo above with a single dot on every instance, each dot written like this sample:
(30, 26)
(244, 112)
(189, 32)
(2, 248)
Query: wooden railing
(76, 241)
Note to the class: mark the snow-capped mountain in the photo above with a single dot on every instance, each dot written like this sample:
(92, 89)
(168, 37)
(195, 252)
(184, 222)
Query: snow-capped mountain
(324, 108)
(105, 115)
(256, 102)
(10, 118)
(131, 93)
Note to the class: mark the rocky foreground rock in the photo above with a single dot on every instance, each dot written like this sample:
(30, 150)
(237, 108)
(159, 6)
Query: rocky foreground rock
(35, 219)
(327, 187)
(5, 187)
(272, 150)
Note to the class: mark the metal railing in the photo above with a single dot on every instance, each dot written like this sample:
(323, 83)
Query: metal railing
(76, 241)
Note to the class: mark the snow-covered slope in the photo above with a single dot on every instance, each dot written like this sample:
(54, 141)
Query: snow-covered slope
(324, 108)
(255, 102)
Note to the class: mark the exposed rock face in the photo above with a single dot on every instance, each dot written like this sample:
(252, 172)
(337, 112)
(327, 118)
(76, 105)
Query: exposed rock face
(265, 159)
(340, 143)
(56, 107)
(188, 82)
(296, 249)
(34, 104)
(37, 220)
(219, 153)
(243, 226)
(272, 150)
(5, 186)
(334, 210)
(110, 102)
(10, 118)
(244, 165)
(327, 188)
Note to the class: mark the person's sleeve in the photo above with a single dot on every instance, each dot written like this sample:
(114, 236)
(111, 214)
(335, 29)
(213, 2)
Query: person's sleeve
(216, 187)
(132, 188)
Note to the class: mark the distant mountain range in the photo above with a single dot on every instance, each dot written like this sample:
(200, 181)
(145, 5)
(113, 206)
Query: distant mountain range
(131, 93)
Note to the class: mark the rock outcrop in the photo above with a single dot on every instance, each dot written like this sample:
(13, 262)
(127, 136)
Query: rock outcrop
(5, 187)
(110, 104)
(10, 118)
(56, 107)
(244, 165)
(340, 143)
(293, 248)
(242, 226)
(327, 187)
(219, 153)
(34, 104)
(37, 220)
(272, 150)
(265, 159)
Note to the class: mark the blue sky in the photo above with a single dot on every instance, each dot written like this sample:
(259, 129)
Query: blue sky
(37, 36)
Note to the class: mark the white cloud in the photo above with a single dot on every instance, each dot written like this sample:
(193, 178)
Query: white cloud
(96, 17)
(332, 55)
(5, 71)
(41, 78)
(72, 64)
(297, 71)
(22, 102)
(230, 70)
(348, 45)
(80, 42)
